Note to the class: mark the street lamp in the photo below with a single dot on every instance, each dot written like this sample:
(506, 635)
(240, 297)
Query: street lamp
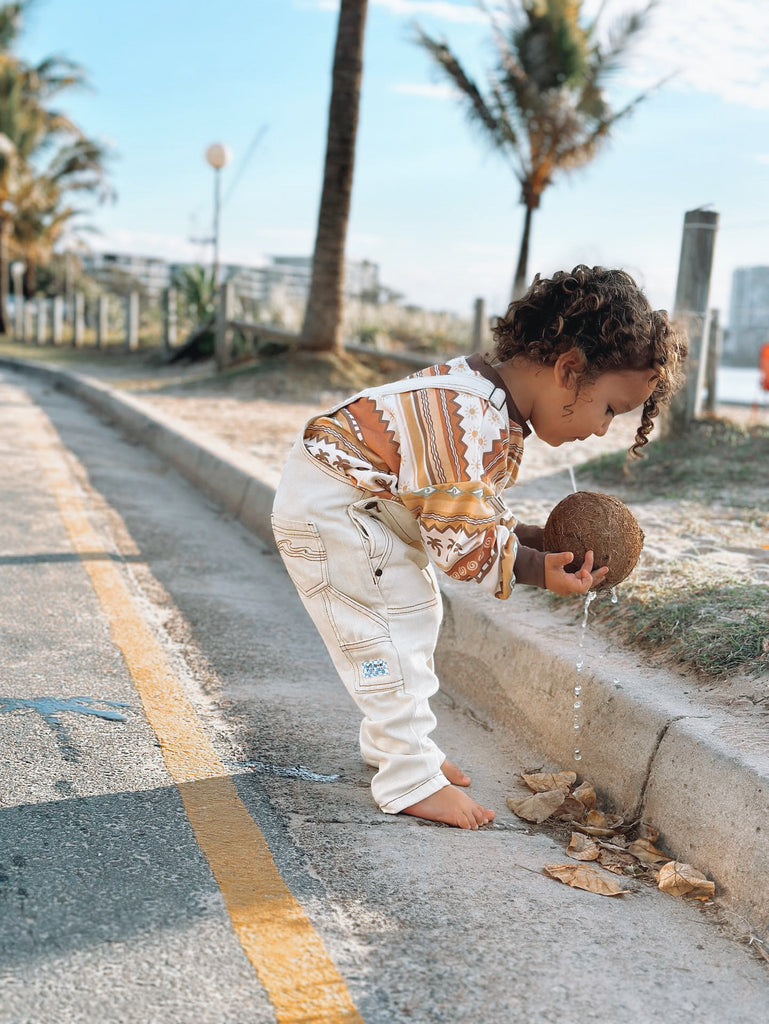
(218, 156)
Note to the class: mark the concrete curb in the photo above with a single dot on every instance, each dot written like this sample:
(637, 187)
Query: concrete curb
(649, 748)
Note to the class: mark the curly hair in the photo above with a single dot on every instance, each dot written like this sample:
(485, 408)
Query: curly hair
(605, 315)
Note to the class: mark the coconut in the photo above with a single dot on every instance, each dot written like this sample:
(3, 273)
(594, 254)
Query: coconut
(590, 521)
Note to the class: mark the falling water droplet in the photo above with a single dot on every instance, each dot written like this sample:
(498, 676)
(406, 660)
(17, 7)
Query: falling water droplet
(577, 690)
(573, 479)
(580, 664)
(614, 597)
(577, 754)
(577, 705)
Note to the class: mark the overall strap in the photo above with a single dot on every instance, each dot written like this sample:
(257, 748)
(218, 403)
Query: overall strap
(465, 382)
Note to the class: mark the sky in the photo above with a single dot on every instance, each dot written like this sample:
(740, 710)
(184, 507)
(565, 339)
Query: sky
(433, 205)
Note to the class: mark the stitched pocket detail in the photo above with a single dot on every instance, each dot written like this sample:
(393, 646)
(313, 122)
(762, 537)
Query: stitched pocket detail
(303, 554)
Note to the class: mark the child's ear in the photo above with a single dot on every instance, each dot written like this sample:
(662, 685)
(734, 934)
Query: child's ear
(569, 367)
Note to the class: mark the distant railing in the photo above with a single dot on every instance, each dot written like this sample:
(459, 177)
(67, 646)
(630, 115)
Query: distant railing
(133, 321)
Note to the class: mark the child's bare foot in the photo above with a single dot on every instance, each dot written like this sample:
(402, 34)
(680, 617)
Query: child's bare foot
(452, 807)
(455, 775)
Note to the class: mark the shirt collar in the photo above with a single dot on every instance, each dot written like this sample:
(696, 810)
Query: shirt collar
(478, 363)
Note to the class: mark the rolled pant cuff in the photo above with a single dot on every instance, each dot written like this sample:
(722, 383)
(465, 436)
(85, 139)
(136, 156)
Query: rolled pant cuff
(425, 789)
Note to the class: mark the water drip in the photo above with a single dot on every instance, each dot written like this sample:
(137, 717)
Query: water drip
(590, 596)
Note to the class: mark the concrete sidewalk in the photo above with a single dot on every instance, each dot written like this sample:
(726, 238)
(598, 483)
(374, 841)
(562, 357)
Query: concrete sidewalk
(648, 745)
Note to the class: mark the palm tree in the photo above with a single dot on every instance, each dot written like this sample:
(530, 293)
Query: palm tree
(195, 285)
(30, 130)
(322, 327)
(545, 108)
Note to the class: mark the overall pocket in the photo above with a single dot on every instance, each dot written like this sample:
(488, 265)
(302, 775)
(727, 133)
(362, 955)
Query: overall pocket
(303, 554)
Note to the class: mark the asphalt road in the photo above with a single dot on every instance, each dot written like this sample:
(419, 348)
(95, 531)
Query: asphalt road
(186, 831)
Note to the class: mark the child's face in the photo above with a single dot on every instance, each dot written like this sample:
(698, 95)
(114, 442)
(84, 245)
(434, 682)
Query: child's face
(566, 416)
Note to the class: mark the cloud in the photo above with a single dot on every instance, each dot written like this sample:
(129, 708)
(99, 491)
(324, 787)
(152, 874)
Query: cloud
(711, 47)
(426, 90)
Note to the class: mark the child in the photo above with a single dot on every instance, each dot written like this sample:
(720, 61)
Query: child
(416, 467)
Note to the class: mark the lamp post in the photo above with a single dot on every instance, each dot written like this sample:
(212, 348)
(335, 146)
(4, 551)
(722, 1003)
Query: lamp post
(218, 156)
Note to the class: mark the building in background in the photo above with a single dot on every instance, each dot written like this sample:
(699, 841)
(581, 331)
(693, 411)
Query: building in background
(748, 328)
(283, 276)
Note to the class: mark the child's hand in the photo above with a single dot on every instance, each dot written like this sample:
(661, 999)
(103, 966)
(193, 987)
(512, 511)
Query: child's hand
(565, 583)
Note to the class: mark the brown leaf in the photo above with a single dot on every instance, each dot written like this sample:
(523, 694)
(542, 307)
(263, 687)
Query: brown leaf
(543, 782)
(646, 831)
(583, 876)
(618, 862)
(645, 851)
(536, 807)
(613, 823)
(582, 848)
(571, 809)
(683, 880)
(586, 796)
(596, 819)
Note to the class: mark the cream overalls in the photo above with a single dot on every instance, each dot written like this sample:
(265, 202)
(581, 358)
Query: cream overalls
(362, 573)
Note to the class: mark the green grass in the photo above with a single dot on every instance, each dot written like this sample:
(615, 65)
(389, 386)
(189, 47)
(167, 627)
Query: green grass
(689, 610)
(716, 457)
(716, 627)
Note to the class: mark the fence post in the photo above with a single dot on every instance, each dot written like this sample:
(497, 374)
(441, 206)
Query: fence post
(57, 327)
(169, 320)
(715, 338)
(479, 326)
(691, 307)
(224, 313)
(41, 321)
(18, 317)
(29, 316)
(132, 322)
(102, 321)
(78, 326)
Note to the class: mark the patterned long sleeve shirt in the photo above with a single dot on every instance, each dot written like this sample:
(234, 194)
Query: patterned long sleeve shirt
(447, 456)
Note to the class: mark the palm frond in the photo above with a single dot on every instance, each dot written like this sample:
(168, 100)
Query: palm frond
(477, 107)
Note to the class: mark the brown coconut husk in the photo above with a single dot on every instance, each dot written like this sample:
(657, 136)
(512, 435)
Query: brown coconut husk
(591, 521)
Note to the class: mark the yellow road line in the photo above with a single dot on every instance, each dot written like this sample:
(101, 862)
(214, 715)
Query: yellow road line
(278, 938)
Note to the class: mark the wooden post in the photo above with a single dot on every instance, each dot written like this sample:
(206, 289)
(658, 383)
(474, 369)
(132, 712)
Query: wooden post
(169, 320)
(691, 306)
(18, 317)
(41, 322)
(224, 313)
(102, 320)
(78, 314)
(132, 322)
(57, 327)
(29, 316)
(712, 362)
(479, 326)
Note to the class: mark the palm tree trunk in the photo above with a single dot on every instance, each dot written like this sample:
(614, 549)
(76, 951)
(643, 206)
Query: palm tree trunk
(521, 280)
(322, 328)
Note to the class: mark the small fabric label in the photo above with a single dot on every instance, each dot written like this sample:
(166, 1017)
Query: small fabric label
(373, 668)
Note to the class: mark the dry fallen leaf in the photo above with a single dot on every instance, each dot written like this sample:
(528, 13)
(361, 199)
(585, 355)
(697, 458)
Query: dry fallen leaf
(596, 819)
(570, 808)
(618, 862)
(683, 880)
(542, 782)
(645, 851)
(582, 847)
(536, 807)
(583, 876)
(586, 796)
(646, 831)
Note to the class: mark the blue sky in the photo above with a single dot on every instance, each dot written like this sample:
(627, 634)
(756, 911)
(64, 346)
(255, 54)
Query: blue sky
(432, 204)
